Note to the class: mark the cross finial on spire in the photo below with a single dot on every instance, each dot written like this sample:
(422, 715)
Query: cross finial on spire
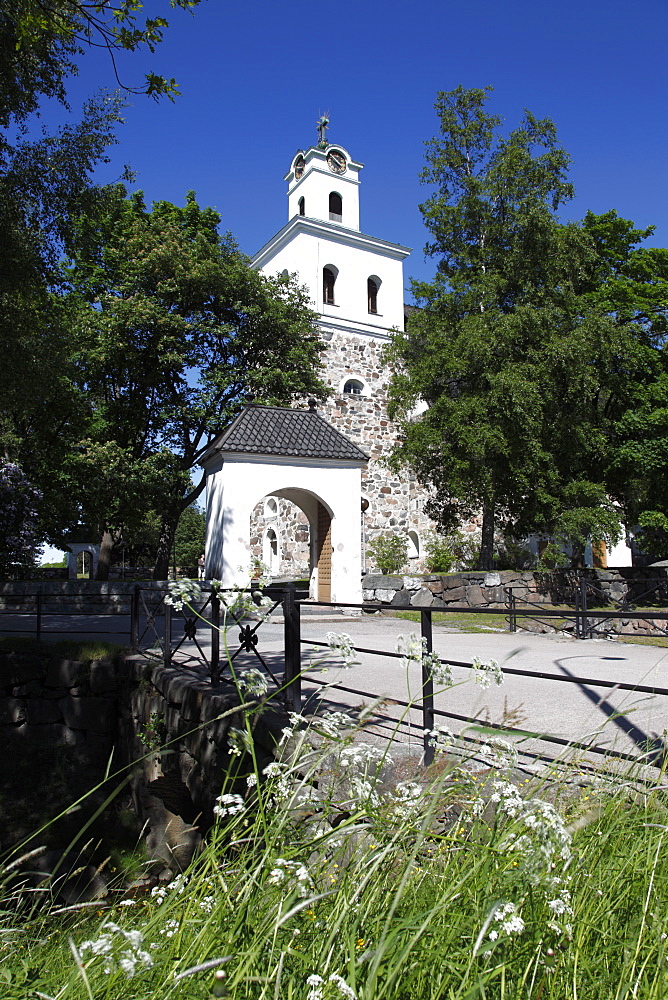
(322, 125)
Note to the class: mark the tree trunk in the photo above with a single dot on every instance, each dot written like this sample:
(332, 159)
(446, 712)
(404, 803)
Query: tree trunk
(165, 547)
(486, 557)
(104, 561)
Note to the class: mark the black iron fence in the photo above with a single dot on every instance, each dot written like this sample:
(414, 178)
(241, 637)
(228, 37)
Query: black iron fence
(158, 630)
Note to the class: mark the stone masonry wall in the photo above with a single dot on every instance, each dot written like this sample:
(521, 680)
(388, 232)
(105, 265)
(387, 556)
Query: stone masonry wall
(396, 503)
(479, 589)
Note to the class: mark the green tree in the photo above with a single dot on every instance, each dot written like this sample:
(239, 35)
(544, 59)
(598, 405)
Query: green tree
(508, 349)
(189, 538)
(175, 331)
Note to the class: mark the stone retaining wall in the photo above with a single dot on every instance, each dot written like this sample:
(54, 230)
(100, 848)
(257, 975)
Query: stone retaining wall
(480, 589)
(91, 596)
(130, 710)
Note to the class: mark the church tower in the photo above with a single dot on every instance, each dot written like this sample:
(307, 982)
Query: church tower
(356, 285)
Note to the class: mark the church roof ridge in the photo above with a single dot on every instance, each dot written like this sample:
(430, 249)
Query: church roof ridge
(285, 431)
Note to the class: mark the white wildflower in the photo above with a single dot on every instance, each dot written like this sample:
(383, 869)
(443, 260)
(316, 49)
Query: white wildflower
(119, 949)
(180, 592)
(171, 927)
(341, 643)
(278, 780)
(251, 780)
(207, 903)
(406, 798)
(342, 986)
(545, 837)
(228, 805)
(291, 874)
(332, 724)
(238, 742)
(360, 756)
(440, 738)
(316, 983)
(441, 673)
(253, 682)
(498, 753)
(510, 920)
(485, 673)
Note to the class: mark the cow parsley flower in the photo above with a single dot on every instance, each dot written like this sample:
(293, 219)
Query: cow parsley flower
(180, 592)
(291, 875)
(228, 805)
(253, 682)
(485, 673)
(317, 983)
(440, 738)
(119, 949)
(539, 836)
(510, 920)
(341, 643)
(498, 753)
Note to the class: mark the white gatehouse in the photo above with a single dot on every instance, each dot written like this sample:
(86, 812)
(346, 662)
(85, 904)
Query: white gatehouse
(299, 456)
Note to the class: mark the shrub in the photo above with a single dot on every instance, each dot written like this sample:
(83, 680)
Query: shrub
(440, 555)
(389, 552)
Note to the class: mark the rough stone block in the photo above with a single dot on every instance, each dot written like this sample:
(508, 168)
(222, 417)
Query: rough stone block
(12, 711)
(96, 715)
(455, 594)
(453, 580)
(103, 677)
(422, 599)
(64, 673)
(40, 712)
(492, 580)
(435, 586)
(412, 582)
(20, 669)
(401, 599)
(495, 595)
(475, 595)
(386, 595)
(383, 582)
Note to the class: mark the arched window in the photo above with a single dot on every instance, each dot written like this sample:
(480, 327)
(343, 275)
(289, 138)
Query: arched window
(328, 281)
(335, 207)
(372, 294)
(413, 545)
(302, 206)
(354, 387)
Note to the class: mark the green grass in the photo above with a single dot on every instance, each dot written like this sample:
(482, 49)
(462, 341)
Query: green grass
(465, 621)
(331, 868)
(71, 649)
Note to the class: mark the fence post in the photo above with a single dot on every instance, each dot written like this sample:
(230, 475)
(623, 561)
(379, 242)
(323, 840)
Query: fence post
(167, 651)
(134, 618)
(583, 608)
(215, 638)
(427, 687)
(38, 626)
(293, 650)
(512, 619)
(576, 596)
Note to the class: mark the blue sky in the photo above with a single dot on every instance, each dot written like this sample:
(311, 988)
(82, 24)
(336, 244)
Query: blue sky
(254, 78)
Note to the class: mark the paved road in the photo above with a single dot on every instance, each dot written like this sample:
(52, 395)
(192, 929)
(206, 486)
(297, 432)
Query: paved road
(622, 721)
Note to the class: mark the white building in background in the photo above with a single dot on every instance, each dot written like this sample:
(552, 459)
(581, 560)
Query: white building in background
(356, 285)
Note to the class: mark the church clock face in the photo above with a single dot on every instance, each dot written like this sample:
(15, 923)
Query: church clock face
(336, 161)
(300, 163)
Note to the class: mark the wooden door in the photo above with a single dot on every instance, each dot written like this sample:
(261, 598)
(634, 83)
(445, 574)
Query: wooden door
(324, 550)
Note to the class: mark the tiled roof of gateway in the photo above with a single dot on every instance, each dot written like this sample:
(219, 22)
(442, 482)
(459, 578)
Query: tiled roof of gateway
(275, 430)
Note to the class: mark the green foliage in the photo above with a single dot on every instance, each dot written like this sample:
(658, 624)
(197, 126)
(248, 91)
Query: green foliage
(455, 550)
(441, 886)
(174, 330)
(389, 552)
(552, 557)
(522, 350)
(439, 555)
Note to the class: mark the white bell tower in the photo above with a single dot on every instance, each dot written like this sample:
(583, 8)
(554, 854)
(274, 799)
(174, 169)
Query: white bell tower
(355, 281)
